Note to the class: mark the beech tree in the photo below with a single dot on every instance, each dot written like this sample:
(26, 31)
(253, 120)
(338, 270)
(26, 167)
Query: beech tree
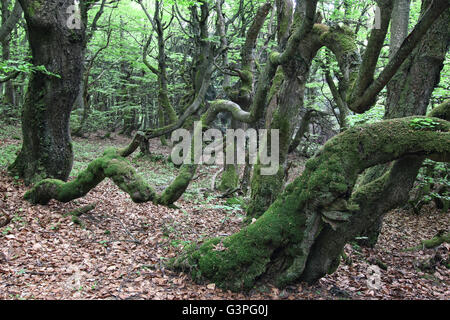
(47, 148)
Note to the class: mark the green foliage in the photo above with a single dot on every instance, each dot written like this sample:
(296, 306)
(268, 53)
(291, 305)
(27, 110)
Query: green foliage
(373, 115)
(442, 92)
(8, 154)
(9, 66)
(423, 124)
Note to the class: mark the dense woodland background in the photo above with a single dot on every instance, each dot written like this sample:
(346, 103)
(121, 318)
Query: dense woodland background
(358, 210)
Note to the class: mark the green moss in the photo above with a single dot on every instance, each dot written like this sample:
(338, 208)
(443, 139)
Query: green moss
(243, 257)
(442, 111)
(284, 25)
(174, 191)
(341, 38)
(167, 107)
(274, 56)
(436, 241)
(320, 29)
(264, 190)
(230, 179)
(276, 84)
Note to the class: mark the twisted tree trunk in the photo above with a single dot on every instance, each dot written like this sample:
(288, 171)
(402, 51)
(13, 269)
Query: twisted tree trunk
(286, 242)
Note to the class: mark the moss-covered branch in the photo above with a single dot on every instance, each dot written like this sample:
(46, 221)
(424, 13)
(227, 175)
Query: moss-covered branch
(440, 238)
(115, 166)
(436, 241)
(190, 110)
(10, 23)
(111, 165)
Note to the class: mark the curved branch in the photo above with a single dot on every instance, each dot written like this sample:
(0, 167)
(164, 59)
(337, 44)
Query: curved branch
(252, 35)
(306, 25)
(362, 98)
(374, 199)
(110, 165)
(218, 106)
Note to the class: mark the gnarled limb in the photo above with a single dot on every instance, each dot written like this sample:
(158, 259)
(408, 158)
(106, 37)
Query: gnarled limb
(113, 165)
(110, 165)
(361, 98)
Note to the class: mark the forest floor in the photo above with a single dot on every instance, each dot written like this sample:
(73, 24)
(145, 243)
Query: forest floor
(118, 250)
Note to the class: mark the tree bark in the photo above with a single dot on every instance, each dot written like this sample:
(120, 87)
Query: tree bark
(8, 97)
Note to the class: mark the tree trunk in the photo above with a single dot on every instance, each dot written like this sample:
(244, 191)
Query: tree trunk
(409, 93)
(8, 97)
(47, 146)
(280, 244)
(289, 87)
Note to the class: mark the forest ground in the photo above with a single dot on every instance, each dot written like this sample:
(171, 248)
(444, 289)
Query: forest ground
(117, 250)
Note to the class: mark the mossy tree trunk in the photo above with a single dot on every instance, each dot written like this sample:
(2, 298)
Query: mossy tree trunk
(285, 99)
(374, 198)
(47, 147)
(9, 22)
(409, 93)
(279, 244)
(243, 91)
(290, 91)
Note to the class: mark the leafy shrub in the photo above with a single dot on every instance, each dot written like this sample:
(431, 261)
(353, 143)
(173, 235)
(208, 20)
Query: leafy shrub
(375, 114)
(423, 124)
